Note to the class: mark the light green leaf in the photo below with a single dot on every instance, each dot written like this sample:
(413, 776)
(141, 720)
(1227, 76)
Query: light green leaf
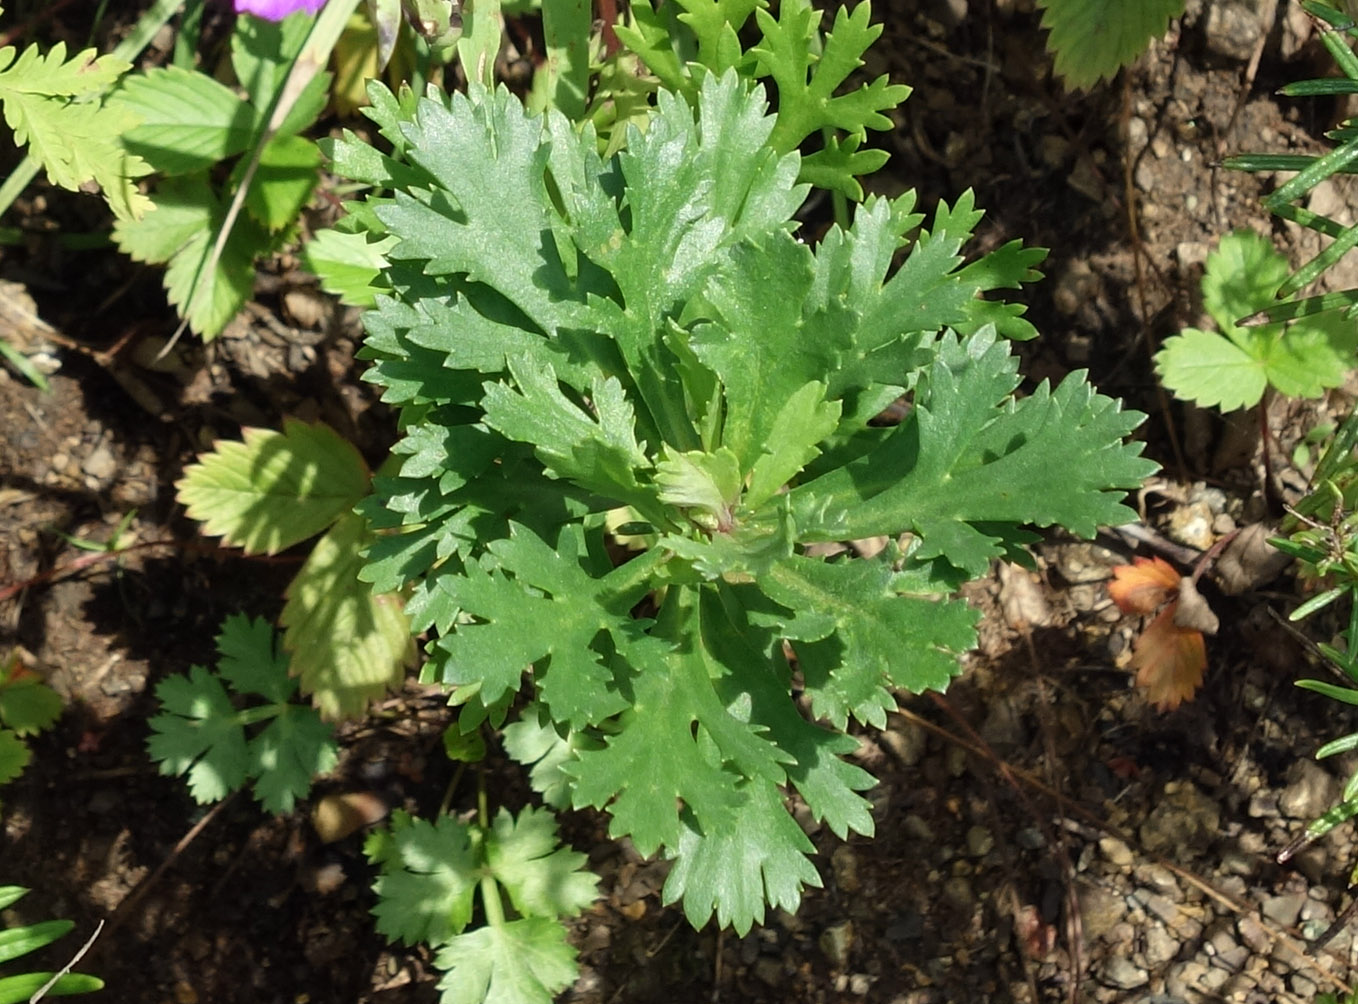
(601, 453)
(526, 961)
(14, 756)
(262, 54)
(1210, 370)
(181, 232)
(428, 880)
(1233, 369)
(714, 24)
(706, 482)
(16, 942)
(17, 989)
(275, 488)
(807, 102)
(707, 749)
(543, 878)
(840, 163)
(736, 869)
(287, 756)
(188, 121)
(882, 639)
(349, 645)
(468, 747)
(806, 420)
(559, 591)
(250, 660)
(198, 733)
(738, 546)
(971, 461)
(1241, 277)
(348, 264)
(1093, 39)
(52, 105)
(296, 745)
(829, 784)
(183, 208)
(760, 348)
(534, 741)
(283, 182)
(51, 74)
(482, 146)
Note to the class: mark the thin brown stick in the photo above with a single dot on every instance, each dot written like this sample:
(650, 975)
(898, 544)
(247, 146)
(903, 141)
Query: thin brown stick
(44, 13)
(42, 991)
(98, 557)
(1055, 838)
(1138, 256)
(138, 893)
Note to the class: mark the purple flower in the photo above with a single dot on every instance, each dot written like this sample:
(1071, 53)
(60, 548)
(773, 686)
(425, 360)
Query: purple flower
(276, 10)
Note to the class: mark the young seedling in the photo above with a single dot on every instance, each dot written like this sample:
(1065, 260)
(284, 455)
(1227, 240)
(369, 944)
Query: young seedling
(1234, 366)
(578, 345)
(203, 733)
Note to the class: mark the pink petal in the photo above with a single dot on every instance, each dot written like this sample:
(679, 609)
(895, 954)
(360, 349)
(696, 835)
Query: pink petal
(276, 10)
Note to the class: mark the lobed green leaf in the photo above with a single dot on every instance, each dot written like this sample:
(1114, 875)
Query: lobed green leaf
(274, 489)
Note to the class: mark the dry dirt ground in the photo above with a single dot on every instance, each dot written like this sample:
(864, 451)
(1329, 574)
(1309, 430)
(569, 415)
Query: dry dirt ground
(1042, 833)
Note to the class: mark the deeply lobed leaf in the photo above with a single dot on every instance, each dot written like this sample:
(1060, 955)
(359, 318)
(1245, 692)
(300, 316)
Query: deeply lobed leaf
(200, 732)
(630, 398)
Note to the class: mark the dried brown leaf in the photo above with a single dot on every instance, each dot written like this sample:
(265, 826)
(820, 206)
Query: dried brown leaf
(1169, 661)
(1140, 588)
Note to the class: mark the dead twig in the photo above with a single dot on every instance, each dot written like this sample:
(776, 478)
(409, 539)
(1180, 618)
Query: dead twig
(1139, 256)
(42, 991)
(139, 891)
(98, 557)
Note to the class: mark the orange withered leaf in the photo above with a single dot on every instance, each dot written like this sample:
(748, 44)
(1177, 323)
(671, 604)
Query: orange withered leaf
(1140, 588)
(1169, 661)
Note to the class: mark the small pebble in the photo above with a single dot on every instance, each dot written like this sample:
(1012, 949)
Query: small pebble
(980, 842)
(1124, 974)
(836, 942)
(100, 464)
(1116, 851)
(1284, 909)
(844, 864)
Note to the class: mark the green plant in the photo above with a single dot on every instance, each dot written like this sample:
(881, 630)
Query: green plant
(201, 733)
(683, 43)
(276, 489)
(432, 874)
(16, 942)
(1322, 534)
(1336, 27)
(57, 110)
(187, 125)
(1234, 367)
(27, 707)
(630, 399)
(1093, 39)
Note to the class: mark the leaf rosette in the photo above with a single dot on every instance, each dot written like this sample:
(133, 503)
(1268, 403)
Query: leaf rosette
(631, 398)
